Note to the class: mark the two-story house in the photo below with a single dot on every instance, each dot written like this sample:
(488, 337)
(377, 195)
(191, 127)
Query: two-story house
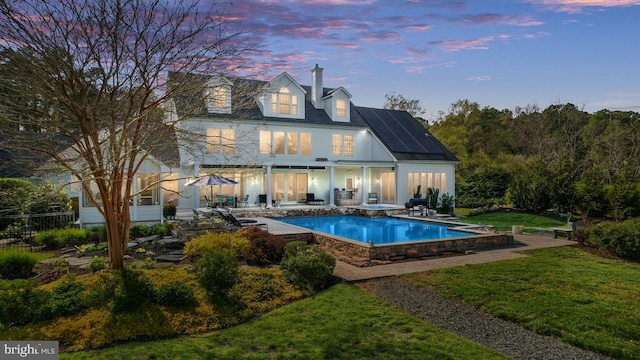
(287, 140)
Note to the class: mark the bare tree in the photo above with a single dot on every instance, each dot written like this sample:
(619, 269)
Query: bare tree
(395, 101)
(91, 77)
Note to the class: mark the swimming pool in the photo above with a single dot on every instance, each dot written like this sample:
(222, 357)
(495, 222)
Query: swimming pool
(376, 231)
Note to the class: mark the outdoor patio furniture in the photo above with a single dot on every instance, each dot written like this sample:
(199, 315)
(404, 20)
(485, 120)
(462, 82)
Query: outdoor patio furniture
(372, 198)
(231, 201)
(228, 217)
(221, 201)
(411, 210)
(311, 199)
(262, 199)
(244, 202)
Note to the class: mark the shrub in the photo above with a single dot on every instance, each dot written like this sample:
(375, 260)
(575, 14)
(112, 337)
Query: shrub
(148, 263)
(56, 238)
(235, 242)
(307, 268)
(262, 290)
(621, 239)
(138, 231)
(21, 303)
(446, 204)
(132, 292)
(48, 238)
(264, 248)
(175, 294)
(162, 229)
(96, 234)
(98, 263)
(66, 299)
(217, 272)
(16, 264)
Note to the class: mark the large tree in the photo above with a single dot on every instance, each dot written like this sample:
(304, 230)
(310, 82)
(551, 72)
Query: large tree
(90, 77)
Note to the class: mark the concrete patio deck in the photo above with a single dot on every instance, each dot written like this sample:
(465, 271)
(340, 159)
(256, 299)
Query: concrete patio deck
(525, 242)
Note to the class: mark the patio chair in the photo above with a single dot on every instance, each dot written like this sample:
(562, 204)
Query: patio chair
(209, 202)
(411, 209)
(244, 202)
(231, 201)
(372, 198)
(221, 201)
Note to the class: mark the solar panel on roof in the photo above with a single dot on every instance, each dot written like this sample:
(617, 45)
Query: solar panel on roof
(401, 132)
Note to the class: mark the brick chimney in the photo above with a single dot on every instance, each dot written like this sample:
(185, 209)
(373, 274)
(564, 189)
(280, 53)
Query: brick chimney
(316, 87)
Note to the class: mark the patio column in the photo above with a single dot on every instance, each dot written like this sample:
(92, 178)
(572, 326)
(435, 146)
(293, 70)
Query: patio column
(364, 184)
(332, 201)
(269, 181)
(196, 189)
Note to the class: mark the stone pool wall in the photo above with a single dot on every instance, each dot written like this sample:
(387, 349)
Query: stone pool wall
(393, 252)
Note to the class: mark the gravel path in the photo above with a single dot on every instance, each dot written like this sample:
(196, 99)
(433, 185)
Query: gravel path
(502, 336)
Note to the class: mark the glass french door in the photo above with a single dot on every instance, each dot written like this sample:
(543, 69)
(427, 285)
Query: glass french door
(288, 186)
(388, 187)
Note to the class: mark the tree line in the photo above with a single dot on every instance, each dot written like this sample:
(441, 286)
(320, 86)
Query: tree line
(560, 158)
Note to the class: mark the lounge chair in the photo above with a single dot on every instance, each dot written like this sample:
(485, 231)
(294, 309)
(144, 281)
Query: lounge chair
(232, 220)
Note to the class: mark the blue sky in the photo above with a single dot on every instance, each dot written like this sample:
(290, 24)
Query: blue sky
(497, 53)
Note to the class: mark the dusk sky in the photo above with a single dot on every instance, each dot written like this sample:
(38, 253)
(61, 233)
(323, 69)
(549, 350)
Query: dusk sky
(500, 54)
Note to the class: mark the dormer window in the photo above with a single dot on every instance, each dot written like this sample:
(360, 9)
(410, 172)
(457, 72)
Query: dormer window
(283, 102)
(341, 108)
(218, 96)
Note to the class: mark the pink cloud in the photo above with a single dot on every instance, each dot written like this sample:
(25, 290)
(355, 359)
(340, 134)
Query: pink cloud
(502, 19)
(576, 6)
(473, 44)
(415, 69)
(378, 36)
(418, 27)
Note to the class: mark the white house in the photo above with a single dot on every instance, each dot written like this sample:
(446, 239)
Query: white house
(287, 141)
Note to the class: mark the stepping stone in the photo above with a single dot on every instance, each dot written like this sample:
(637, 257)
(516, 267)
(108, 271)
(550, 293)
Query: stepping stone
(171, 243)
(132, 244)
(170, 258)
(177, 252)
(147, 239)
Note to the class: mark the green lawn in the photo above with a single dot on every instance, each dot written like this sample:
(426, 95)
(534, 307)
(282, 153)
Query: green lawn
(505, 220)
(340, 323)
(565, 292)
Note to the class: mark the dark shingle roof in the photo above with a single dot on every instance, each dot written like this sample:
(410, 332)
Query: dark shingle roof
(404, 136)
(248, 89)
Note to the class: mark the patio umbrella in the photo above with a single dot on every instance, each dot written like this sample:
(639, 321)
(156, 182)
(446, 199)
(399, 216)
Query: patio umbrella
(210, 180)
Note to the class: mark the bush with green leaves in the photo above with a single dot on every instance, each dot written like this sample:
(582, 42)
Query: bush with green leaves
(306, 267)
(264, 248)
(621, 239)
(217, 271)
(235, 242)
(98, 263)
(67, 299)
(176, 294)
(16, 264)
(21, 303)
(446, 204)
(56, 238)
(132, 291)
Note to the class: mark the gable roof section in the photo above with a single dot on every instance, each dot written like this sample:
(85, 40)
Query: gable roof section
(404, 136)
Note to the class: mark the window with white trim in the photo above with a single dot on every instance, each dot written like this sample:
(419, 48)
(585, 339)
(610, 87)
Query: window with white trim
(341, 108)
(221, 141)
(283, 102)
(342, 145)
(218, 98)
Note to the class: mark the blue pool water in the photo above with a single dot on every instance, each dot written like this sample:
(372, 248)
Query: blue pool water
(383, 230)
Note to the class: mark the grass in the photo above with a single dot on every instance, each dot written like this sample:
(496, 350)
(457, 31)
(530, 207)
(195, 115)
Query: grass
(505, 220)
(38, 255)
(342, 322)
(581, 298)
